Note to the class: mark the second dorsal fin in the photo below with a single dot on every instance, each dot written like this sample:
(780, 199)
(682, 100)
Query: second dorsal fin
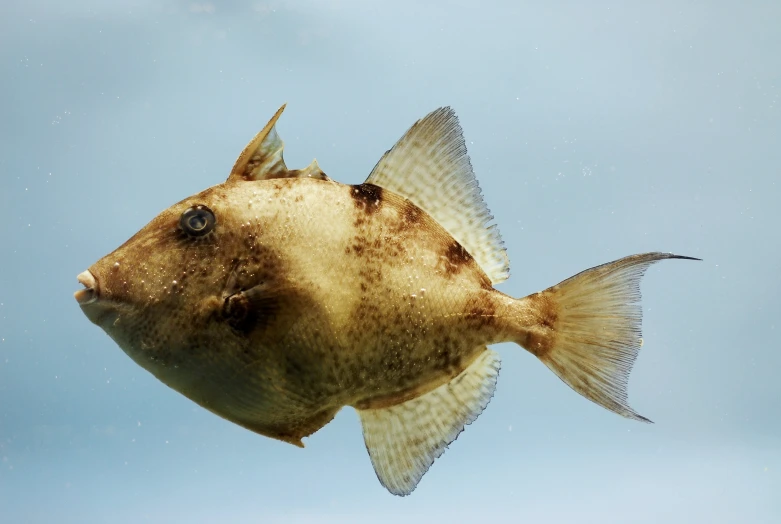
(430, 167)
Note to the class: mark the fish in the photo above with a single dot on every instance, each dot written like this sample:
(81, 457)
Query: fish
(280, 296)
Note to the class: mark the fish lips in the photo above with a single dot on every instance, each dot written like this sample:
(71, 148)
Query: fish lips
(89, 294)
(100, 310)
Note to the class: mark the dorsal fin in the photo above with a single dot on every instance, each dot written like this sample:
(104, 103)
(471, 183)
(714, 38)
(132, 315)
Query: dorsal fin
(311, 171)
(404, 440)
(429, 166)
(262, 158)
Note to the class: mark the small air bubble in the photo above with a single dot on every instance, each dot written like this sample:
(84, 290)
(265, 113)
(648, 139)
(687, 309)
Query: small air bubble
(116, 265)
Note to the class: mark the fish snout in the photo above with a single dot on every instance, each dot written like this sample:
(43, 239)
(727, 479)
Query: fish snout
(89, 294)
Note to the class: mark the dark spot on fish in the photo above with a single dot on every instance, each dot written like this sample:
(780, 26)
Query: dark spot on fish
(481, 311)
(542, 336)
(366, 197)
(360, 245)
(370, 275)
(457, 255)
(455, 258)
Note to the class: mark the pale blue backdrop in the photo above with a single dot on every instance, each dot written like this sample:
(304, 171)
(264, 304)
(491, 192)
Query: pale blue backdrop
(597, 129)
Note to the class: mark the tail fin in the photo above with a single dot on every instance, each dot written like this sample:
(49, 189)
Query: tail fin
(586, 329)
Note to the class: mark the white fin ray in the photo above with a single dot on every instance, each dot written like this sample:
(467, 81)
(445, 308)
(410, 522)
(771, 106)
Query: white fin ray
(429, 166)
(262, 158)
(404, 440)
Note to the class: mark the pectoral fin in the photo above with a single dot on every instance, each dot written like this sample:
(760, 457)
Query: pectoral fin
(404, 440)
(264, 311)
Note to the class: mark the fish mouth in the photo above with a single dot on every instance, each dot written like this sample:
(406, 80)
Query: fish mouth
(89, 294)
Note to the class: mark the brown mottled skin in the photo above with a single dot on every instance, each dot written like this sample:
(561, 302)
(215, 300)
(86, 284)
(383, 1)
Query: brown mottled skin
(281, 296)
(365, 301)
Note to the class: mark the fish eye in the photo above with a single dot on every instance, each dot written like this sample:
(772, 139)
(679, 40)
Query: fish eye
(197, 221)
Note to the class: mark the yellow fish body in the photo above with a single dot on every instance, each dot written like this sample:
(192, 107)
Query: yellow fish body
(281, 296)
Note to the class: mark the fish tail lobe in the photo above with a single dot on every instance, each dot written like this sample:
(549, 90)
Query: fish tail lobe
(587, 329)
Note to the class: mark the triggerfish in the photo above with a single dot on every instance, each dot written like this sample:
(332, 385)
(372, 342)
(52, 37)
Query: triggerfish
(280, 296)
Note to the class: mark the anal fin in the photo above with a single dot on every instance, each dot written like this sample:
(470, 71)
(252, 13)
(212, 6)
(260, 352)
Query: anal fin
(404, 440)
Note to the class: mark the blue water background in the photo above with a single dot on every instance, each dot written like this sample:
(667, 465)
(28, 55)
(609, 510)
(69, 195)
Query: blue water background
(597, 129)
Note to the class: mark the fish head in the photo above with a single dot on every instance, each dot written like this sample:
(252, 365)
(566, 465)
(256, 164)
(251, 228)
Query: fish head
(165, 292)
(207, 276)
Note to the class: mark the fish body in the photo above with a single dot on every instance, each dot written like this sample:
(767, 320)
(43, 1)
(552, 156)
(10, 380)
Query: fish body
(281, 296)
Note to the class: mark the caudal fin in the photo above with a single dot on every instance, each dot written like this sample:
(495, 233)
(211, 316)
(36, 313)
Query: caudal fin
(587, 329)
